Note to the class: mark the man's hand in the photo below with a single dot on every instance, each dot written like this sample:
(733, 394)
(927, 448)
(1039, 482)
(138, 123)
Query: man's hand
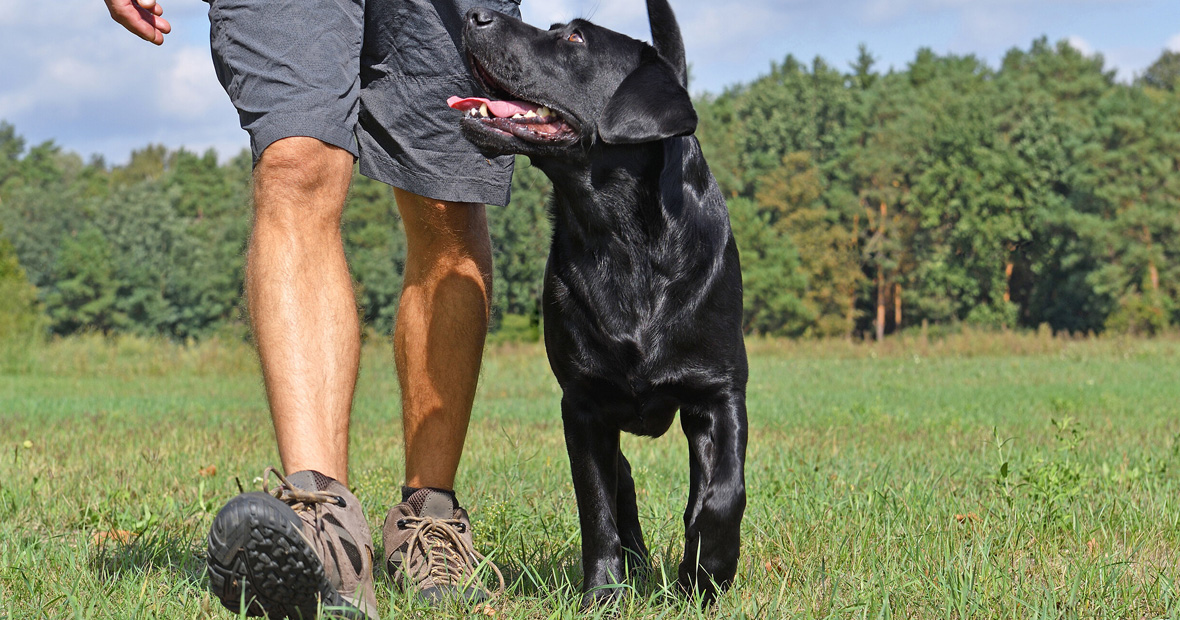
(141, 18)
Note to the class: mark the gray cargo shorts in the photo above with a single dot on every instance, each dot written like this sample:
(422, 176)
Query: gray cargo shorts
(369, 76)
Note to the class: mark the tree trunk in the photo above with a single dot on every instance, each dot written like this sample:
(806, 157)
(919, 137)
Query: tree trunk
(880, 305)
(1008, 281)
(896, 306)
(1152, 271)
(850, 318)
(881, 279)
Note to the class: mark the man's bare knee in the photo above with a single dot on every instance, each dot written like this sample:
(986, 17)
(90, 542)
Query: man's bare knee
(301, 181)
(428, 221)
(446, 238)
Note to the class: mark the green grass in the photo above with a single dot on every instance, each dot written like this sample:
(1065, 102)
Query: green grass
(1001, 476)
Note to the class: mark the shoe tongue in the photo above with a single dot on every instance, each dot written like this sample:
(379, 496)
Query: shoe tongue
(431, 503)
(310, 480)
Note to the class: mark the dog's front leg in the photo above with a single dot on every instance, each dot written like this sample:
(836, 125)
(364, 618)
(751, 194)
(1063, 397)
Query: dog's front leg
(630, 531)
(594, 460)
(717, 494)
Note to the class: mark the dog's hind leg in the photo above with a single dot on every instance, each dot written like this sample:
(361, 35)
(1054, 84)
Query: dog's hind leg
(594, 461)
(630, 532)
(717, 494)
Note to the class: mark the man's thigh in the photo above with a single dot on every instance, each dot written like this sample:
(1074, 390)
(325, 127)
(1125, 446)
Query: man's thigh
(291, 68)
(412, 61)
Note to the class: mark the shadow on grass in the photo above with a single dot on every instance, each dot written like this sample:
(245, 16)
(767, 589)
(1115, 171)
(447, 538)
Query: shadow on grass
(156, 550)
(558, 574)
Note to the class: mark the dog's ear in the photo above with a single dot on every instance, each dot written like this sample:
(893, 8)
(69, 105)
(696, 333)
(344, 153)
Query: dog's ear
(649, 105)
(665, 36)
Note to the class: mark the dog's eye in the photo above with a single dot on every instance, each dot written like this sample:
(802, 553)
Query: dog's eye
(575, 37)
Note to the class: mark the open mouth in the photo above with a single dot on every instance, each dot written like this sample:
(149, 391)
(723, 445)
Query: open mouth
(528, 121)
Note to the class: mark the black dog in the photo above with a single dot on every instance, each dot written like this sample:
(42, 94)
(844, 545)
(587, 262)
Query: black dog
(643, 291)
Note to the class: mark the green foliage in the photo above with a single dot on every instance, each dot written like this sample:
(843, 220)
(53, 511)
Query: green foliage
(520, 245)
(1164, 73)
(516, 328)
(85, 294)
(20, 313)
(828, 265)
(1039, 192)
(1054, 479)
(376, 251)
(1140, 314)
(773, 284)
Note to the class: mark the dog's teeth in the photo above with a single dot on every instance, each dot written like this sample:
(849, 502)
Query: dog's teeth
(530, 114)
(483, 110)
(518, 115)
(544, 111)
(473, 112)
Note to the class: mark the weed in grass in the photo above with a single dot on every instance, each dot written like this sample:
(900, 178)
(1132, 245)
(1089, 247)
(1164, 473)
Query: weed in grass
(1054, 479)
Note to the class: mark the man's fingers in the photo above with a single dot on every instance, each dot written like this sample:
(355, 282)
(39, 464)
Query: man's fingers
(161, 24)
(150, 26)
(151, 6)
(145, 22)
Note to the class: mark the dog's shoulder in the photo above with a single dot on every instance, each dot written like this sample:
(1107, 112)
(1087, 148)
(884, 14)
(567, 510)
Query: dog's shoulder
(688, 190)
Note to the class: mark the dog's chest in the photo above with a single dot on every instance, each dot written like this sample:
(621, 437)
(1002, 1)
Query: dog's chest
(625, 318)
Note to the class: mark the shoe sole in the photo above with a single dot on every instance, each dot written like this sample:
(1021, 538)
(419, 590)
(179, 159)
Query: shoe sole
(258, 556)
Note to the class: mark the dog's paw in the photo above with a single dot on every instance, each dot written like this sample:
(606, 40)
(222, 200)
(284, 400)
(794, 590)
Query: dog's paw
(636, 565)
(608, 595)
(695, 581)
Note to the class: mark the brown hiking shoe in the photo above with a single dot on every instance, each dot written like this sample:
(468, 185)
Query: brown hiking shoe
(428, 549)
(306, 547)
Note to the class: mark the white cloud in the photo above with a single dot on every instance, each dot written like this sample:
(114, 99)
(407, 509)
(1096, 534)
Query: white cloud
(1130, 61)
(876, 11)
(718, 32)
(69, 73)
(59, 17)
(93, 87)
(189, 87)
(63, 81)
(542, 14)
(1081, 45)
(991, 29)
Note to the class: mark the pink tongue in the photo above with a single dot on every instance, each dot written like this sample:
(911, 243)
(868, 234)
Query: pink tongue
(502, 109)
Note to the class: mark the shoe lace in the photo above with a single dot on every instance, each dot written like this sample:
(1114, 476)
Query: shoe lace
(449, 558)
(299, 499)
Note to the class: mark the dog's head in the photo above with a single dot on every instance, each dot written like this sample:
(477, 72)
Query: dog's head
(556, 92)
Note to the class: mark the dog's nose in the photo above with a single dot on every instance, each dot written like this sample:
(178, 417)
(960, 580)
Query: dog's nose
(480, 17)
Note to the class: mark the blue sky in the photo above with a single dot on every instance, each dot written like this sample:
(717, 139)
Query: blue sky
(70, 74)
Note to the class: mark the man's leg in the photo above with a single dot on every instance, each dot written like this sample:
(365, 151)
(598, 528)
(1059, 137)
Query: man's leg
(307, 545)
(438, 344)
(301, 303)
(441, 325)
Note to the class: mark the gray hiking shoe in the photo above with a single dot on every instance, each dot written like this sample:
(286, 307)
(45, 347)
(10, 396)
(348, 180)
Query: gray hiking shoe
(428, 550)
(306, 547)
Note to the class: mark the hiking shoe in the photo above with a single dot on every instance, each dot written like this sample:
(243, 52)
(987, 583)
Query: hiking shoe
(428, 549)
(287, 555)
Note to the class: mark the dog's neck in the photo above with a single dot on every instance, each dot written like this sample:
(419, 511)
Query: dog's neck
(620, 201)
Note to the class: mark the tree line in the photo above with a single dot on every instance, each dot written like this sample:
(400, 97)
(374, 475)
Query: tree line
(1041, 192)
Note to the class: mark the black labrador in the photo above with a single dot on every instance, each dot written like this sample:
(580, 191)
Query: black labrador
(643, 290)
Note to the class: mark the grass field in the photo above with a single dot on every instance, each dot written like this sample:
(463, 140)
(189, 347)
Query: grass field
(1001, 476)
